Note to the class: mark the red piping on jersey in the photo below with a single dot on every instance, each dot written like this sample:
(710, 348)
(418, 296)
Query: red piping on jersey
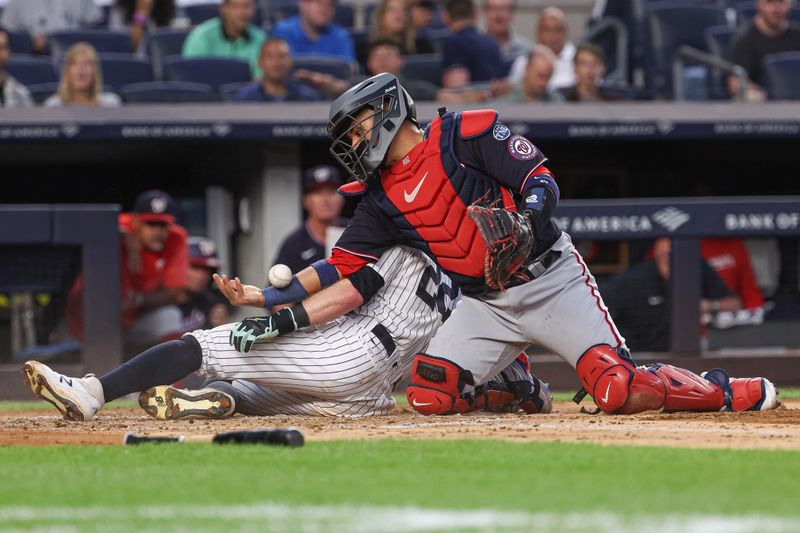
(596, 295)
(365, 256)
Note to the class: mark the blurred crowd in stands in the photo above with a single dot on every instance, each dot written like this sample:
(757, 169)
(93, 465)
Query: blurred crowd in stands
(71, 52)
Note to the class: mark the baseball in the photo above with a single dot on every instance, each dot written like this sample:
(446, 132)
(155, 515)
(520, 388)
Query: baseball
(280, 276)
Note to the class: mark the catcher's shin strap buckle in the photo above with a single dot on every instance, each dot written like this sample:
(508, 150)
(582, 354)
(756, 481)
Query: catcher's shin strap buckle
(383, 336)
(542, 263)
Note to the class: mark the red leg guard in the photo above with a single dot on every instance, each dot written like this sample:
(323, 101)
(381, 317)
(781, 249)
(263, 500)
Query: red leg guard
(436, 386)
(616, 385)
(753, 394)
(686, 391)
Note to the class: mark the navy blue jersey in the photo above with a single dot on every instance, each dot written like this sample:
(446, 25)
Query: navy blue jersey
(421, 201)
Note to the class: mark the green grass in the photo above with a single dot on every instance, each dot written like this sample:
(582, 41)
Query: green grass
(554, 478)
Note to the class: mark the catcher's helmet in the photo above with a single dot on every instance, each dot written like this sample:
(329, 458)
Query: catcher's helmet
(390, 105)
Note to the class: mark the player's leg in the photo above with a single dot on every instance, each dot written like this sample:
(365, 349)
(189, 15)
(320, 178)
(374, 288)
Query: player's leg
(334, 362)
(256, 400)
(514, 389)
(81, 398)
(574, 322)
(477, 342)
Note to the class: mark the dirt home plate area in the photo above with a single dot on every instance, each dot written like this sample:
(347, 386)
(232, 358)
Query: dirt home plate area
(779, 429)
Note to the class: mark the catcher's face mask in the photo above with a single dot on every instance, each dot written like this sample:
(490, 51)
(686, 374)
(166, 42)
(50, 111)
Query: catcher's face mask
(364, 122)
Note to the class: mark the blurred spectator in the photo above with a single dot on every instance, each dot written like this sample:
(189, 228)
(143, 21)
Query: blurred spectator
(392, 20)
(12, 92)
(314, 32)
(40, 17)
(230, 35)
(552, 32)
(82, 80)
(639, 299)
(154, 261)
(468, 56)
(731, 261)
(141, 16)
(534, 86)
(205, 307)
(423, 14)
(324, 207)
(769, 33)
(498, 16)
(589, 70)
(275, 84)
(384, 55)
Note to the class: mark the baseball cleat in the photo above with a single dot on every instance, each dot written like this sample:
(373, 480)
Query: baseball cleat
(171, 403)
(70, 396)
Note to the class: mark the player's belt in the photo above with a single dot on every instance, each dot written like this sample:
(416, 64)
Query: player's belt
(542, 263)
(382, 335)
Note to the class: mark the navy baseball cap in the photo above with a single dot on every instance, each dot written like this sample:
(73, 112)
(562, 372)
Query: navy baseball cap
(155, 206)
(203, 253)
(321, 176)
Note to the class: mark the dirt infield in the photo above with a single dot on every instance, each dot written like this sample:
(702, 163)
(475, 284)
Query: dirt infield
(779, 429)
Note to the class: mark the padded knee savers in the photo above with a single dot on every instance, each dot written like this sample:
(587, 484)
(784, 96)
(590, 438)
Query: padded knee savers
(436, 386)
(616, 385)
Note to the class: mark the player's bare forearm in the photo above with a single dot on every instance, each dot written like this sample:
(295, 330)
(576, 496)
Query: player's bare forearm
(241, 294)
(333, 302)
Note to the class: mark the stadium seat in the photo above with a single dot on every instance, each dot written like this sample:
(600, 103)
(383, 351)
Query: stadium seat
(162, 43)
(42, 91)
(167, 92)
(345, 15)
(199, 13)
(124, 69)
(229, 90)
(671, 25)
(782, 75)
(718, 38)
(335, 66)
(29, 70)
(214, 71)
(21, 42)
(104, 41)
(423, 67)
(421, 91)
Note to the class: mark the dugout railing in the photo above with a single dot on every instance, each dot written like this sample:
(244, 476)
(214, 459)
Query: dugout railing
(27, 234)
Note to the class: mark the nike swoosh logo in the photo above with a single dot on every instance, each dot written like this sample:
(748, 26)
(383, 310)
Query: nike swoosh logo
(410, 196)
(604, 399)
(415, 403)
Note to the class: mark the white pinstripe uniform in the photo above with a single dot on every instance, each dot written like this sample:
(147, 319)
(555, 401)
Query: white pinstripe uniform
(341, 368)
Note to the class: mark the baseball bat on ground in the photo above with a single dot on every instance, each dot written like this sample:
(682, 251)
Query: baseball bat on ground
(275, 437)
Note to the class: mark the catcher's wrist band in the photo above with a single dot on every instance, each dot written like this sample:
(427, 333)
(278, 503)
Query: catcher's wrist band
(290, 319)
(294, 292)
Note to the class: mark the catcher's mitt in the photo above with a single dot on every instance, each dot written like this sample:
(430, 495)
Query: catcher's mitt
(509, 239)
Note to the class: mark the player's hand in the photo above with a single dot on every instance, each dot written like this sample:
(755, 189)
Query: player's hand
(237, 293)
(249, 330)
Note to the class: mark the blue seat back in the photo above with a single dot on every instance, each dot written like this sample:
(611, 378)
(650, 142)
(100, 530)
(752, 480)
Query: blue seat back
(423, 67)
(31, 70)
(20, 41)
(104, 41)
(124, 69)
(168, 92)
(214, 71)
(672, 25)
(162, 43)
(782, 75)
(42, 91)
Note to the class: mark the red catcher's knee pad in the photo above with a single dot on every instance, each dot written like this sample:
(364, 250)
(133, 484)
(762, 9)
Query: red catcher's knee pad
(686, 391)
(616, 385)
(436, 386)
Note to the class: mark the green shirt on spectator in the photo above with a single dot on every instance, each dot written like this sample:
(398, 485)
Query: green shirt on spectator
(209, 39)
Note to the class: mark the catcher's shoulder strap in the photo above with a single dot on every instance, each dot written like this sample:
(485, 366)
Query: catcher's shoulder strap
(476, 122)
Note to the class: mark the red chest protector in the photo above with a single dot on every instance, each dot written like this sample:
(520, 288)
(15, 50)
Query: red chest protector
(428, 196)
